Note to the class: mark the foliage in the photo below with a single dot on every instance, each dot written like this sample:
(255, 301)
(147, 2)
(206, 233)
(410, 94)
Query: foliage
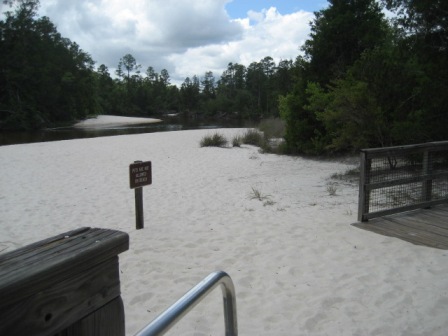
(340, 34)
(332, 188)
(272, 128)
(258, 195)
(253, 137)
(44, 78)
(333, 47)
(366, 83)
(215, 140)
(350, 114)
(237, 141)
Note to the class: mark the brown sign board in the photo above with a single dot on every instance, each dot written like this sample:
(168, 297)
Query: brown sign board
(140, 174)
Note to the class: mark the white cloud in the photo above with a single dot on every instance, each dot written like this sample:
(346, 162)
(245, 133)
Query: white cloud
(275, 35)
(185, 37)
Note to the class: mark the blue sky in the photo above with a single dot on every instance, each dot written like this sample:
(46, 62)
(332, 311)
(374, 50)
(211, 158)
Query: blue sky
(239, 8)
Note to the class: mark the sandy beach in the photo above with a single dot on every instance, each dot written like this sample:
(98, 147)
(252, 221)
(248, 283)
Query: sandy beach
(298, 266)
(108, 121)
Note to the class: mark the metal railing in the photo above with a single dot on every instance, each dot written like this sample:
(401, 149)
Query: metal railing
(402, 178)
(173, 314)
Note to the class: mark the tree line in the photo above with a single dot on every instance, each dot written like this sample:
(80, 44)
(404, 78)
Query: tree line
(240, 92)
(363, 80)
(46, 79)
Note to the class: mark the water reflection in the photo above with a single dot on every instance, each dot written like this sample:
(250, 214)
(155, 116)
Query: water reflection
(68, 133)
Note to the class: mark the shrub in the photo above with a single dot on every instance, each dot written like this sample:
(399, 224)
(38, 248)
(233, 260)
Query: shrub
(253, 137)
(215, 140)
(272, 128)
(332, 188)
(237, 141)
(257, 138)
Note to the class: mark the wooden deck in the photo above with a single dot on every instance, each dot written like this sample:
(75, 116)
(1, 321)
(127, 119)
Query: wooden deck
(427, 227)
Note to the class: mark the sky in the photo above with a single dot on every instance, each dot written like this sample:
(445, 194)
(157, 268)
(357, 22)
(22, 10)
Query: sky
(185, 37)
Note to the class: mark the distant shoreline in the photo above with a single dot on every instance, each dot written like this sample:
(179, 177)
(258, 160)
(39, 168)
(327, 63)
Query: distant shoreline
(106, 121)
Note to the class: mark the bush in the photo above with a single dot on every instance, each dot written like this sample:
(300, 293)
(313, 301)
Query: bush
(237, 141)
(272, 128)
(215, 140)
(253, 137)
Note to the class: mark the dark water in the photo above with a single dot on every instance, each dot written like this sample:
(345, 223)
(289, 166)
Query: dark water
(68, 133)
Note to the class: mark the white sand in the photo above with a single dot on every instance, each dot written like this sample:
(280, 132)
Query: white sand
(108, 121)
(298, 265)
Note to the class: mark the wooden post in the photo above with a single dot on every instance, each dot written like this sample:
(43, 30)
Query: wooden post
(140, 174)
(427, 172)
(65, 285)
(139, 220)
(364, 193)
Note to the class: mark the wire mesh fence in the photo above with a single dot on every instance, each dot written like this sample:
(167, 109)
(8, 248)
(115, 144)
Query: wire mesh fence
(397, 179)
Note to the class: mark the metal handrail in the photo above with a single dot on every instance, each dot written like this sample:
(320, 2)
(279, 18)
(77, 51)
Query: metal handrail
(165, 321)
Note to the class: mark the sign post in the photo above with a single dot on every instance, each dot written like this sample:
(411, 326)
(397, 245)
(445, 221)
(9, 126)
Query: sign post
(140, 174)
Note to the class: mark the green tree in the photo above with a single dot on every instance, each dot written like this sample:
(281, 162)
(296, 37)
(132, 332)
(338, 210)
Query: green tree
(208, 86)
(232, 97)
(340, 34)
(132, 98)
(303, 130)
(189, 93)
(44, 78)
(422, 19)
(164, 77)
(351, 116)
(106, 89)
(283, 78)
(129, 63)
(425, 41)
(151, 75)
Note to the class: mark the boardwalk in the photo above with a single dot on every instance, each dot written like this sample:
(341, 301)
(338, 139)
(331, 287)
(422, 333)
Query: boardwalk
(427, 227)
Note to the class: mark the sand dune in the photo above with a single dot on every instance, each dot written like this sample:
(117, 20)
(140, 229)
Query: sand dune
(298, 265)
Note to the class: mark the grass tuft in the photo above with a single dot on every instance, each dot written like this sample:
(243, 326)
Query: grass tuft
(215, 140)
(332, 188)
(257, 194)
(237, 141)
(253, 137)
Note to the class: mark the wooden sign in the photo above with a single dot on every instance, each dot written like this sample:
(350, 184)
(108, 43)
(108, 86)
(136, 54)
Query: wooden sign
(140, 174)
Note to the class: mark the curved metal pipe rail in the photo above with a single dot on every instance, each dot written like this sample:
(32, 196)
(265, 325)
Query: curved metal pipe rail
(173, 314)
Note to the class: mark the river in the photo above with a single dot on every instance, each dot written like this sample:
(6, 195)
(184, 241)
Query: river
(69, 133)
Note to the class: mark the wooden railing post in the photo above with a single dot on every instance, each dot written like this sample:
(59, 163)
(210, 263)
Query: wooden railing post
(65, 285)
(427, 172)
(364, 193)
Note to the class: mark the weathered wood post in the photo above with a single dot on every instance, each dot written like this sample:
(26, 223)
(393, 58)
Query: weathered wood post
(364, 192)
(139, 214)
(427, 172)
(140, 174)
(65, 285)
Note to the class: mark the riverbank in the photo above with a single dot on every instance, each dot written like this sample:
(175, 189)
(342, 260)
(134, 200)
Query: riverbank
(298, 265)
(98, 130)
